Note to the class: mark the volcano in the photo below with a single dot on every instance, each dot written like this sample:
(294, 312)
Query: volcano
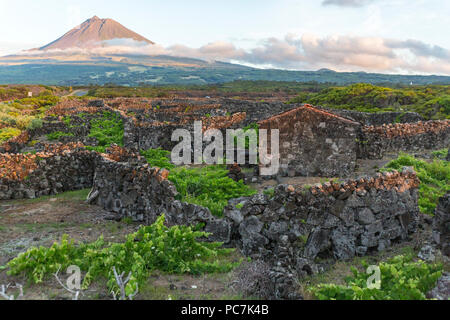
(92, 33)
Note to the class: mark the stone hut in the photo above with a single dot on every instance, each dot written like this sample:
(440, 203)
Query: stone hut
(314, 142)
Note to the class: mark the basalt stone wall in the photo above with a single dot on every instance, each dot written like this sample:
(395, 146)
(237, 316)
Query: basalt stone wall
(332, 220)
(31, 176)
(441, 224)
(377, 119)
(314, 142)
(143, 193)
(146, 136)
(256, 111)
(375, 141)
(153, 129)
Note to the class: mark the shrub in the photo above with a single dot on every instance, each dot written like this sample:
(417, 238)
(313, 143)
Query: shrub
(35, 124)
(107, 129)
(434, 179)
(8, 133)
(440, 154)
(155, 247)
(56, 135)
(158, 158)
(401, 279)
(208, 186)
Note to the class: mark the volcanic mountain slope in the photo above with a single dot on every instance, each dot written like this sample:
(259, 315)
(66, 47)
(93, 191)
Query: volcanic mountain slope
(92, 33)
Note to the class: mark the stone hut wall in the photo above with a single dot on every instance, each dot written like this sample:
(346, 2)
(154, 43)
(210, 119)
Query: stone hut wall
(376, 141)
(314, 142)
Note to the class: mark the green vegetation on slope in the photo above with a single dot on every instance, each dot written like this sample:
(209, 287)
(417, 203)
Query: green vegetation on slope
(434, 179)
(8, 133)
(23, 114)
(432, 102)
(155, 247)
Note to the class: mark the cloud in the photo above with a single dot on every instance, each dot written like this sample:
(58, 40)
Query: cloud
(347, 3)
(420, 48)
(298, 52)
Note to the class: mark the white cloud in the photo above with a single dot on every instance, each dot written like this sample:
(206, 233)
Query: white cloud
(346, 3)
(306, 52)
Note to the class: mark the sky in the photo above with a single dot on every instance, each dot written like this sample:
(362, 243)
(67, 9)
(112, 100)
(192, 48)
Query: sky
(389, 36)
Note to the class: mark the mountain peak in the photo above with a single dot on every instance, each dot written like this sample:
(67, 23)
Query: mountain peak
(91, 34)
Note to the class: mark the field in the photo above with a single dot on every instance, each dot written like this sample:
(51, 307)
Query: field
(41, 237)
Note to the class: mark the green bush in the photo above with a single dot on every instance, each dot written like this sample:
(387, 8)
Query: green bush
(35, 124)
(434, 179)
(56, 135)
(155, 247)
(401, 279)
(440, 154)
(158, 158)
(208, 186)
(8, 133)
(107, 129)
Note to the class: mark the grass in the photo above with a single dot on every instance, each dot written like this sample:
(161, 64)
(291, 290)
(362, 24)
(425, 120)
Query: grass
(77, 195)
(33, 227)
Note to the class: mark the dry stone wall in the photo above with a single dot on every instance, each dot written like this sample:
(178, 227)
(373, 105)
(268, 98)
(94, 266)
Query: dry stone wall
(377, 119)
(375, 141)
(144, 193)
(333, 220)
(35, 175)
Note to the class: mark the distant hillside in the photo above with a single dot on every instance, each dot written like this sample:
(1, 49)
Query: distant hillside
(166, 70)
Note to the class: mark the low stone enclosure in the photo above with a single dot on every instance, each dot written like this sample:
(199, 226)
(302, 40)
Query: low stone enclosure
(290, 230)
(287, 231)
